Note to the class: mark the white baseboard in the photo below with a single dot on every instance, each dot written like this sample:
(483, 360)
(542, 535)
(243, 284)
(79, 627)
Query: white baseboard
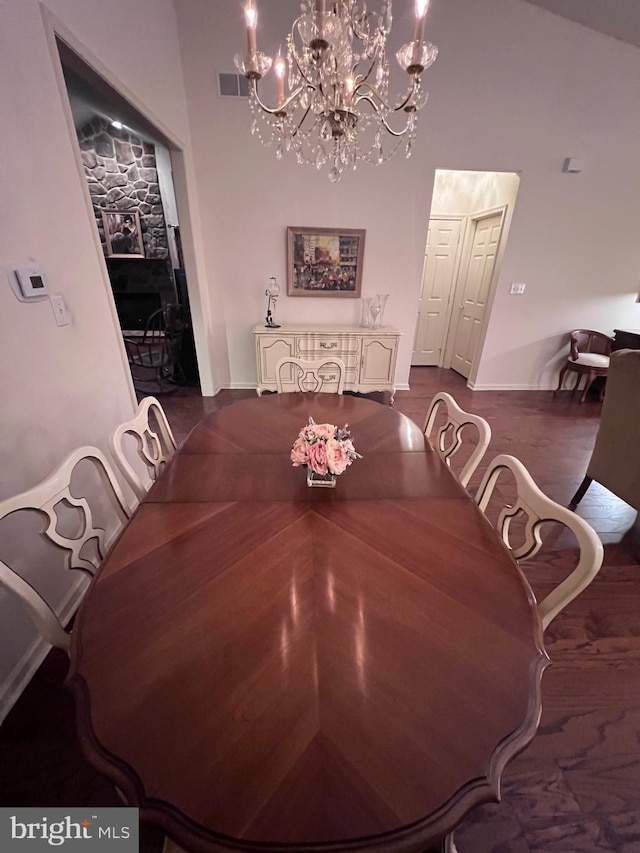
(491, 386)
(25, 669)
(404, 386)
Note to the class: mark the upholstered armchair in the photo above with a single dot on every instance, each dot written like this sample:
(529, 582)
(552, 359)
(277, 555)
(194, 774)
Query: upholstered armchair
(615, 461)
(588, 357)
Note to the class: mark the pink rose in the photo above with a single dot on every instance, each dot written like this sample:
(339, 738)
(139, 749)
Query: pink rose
(317, 457)
(325, 431)
(337, 459)
(299, 452)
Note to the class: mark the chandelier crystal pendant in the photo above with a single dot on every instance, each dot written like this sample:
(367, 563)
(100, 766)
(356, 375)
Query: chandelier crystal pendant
(333, 105)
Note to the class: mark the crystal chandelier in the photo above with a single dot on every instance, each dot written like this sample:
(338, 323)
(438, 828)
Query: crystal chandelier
(334, 107)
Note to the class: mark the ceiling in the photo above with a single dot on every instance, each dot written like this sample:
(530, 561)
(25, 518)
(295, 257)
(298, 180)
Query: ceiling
(617, 18)
(90, 96)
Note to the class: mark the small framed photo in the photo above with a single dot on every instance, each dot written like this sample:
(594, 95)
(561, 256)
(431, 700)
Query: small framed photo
(325, 261)
(123, 234)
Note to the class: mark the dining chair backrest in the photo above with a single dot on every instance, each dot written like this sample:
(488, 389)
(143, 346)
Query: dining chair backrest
(449, 438)
(154, 446)
(536, 508)
(295, 374)
(154, 357)
(99, 515)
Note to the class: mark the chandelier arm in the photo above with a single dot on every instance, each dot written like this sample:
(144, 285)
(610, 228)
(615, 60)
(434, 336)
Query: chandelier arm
(300, 123)
(320, 87)
(374, 92)
(361, 35)
(275, 110)
(301, 72)
(384, 103)
(365, 77)
(382, 119)
(389, 129)
(410, 95)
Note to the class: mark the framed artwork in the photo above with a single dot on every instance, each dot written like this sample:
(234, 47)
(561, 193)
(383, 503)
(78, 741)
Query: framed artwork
(123, 234)
(324, 261)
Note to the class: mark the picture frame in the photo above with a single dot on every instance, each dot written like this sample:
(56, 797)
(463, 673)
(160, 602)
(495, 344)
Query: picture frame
(123, 234)
(325, 261)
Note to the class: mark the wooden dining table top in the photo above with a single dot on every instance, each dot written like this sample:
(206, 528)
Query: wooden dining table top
(260, 665)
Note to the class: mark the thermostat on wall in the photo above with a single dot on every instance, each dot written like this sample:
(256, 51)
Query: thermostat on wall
(32, 282)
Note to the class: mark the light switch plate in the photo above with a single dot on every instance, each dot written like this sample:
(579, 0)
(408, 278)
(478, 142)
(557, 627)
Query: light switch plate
(60, 310)
(517, 288)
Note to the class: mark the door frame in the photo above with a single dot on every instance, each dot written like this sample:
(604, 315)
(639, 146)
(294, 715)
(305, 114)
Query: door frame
(474, 218)
(184, 185)
(463, 220)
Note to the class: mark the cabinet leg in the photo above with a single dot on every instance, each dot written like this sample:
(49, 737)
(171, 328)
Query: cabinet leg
(259, 391)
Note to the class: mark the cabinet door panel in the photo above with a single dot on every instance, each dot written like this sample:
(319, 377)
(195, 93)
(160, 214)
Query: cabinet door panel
(378, 357)
(270, 353)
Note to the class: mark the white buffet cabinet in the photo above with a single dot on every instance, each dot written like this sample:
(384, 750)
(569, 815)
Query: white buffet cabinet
(369, 355)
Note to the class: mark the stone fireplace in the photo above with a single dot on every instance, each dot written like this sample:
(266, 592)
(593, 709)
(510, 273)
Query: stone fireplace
(121, 171)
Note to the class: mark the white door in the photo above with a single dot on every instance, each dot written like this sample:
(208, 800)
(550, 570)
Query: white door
(475, 289)
(437, 288)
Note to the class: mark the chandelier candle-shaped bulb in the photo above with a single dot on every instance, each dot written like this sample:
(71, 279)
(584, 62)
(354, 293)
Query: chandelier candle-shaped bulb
(421, 14)
(321, 8)
(280, 69)
(349, 88)
(251, 17)
(418, 35)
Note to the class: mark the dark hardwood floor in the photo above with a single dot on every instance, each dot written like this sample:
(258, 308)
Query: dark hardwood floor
(577, 786)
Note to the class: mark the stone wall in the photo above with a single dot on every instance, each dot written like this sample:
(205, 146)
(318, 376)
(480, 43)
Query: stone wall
(121, 172)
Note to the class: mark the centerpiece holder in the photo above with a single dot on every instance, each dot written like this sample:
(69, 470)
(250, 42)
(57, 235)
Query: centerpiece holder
(326, 481)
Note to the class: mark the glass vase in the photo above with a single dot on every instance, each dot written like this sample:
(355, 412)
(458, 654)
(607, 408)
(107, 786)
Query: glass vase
(365, 317)
(382, 302)
(327, 481)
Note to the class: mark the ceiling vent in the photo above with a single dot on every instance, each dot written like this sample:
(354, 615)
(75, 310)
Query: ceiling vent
(232, 86)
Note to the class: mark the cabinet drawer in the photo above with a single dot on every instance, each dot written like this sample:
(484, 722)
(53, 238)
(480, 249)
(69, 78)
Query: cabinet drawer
(321, 345)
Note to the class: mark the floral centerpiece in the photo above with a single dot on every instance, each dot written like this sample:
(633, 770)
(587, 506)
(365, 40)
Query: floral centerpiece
(325, 450)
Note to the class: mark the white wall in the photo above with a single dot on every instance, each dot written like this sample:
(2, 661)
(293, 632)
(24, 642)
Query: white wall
(69, 386)
(514, 89)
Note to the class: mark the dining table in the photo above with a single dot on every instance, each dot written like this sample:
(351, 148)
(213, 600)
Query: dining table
(264, 666)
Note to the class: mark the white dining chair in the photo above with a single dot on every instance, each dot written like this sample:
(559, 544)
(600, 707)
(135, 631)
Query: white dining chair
(537, 508)
(449, 438)
(101, 510)
(154, 446)
(310, 375)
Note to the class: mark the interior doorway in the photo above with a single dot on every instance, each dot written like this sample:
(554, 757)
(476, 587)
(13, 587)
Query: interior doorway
(128, 170)
(468, 228)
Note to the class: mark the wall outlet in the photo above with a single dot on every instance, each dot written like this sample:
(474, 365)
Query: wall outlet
(60, 310)
(517, 288)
